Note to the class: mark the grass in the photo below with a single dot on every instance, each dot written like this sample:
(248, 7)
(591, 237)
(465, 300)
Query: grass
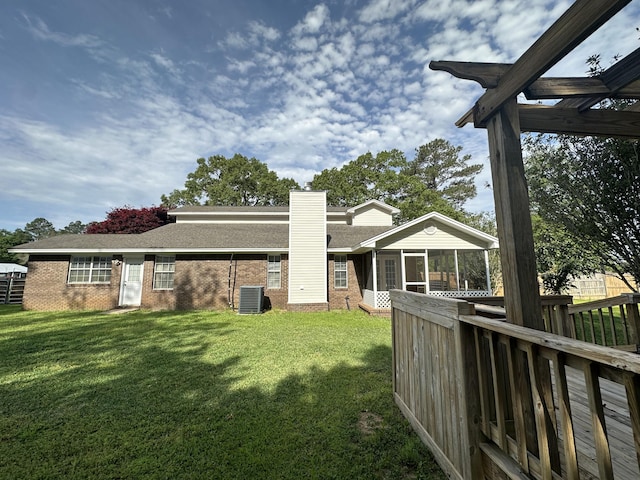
(201, 395)
(589, 327)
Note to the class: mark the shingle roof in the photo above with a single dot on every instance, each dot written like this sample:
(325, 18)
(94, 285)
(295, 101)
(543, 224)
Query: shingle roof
(242, 208)
(200, 236)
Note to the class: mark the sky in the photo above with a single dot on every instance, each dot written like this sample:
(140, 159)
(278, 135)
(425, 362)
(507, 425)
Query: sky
(106, 103)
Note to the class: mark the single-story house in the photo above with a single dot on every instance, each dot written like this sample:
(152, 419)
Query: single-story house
(306, 257)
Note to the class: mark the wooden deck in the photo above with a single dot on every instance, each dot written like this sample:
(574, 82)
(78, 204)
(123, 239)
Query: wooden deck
(493, 400)
(618, 425)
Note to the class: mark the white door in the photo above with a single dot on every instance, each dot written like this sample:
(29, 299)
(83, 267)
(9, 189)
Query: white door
(131, 285)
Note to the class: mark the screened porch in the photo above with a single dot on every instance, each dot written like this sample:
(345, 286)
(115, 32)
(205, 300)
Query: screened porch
(442, 272)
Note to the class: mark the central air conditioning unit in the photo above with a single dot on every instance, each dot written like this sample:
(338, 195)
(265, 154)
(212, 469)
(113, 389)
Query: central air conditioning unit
(251, 299)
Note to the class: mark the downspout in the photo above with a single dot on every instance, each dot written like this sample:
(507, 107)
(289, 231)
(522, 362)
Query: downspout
(229, 291)
(455, 261)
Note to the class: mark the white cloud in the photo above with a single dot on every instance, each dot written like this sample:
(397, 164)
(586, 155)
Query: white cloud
(40, 30)
(313, 21)
(262, 31)
(166, 63)
(313, 97)
(378, 10)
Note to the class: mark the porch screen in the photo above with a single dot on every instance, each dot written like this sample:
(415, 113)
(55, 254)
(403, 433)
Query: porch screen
(472, 269)
(442, 270)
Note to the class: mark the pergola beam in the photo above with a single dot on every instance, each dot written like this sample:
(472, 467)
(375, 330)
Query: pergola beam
(616, 79)
(601, 122)
(574, 26)
(488, 75)
(578, 87)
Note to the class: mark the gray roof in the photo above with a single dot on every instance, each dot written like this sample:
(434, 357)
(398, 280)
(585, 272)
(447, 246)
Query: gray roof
(198, 237)
(242, 208)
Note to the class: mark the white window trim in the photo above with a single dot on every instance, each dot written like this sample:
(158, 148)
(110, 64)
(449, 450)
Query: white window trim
(166, 260)
(345, 270)
(94, 261)
(277, 270)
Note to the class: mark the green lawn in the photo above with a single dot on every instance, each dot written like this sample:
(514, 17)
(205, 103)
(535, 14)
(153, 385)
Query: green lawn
(201, 395)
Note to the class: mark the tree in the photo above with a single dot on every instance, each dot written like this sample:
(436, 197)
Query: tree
(590, 187)
(74, 227)
(40, 228)
(438, 179)
(559, 255)
(368, 177)
(232, 181)
(130, 220)
(438, 167)
(11, 239)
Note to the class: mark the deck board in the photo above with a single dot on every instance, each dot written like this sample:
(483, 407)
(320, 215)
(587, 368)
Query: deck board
(618, 425)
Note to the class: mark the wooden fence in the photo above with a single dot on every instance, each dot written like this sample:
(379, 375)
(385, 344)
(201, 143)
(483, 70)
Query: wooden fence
(495, 400)
(11, 290)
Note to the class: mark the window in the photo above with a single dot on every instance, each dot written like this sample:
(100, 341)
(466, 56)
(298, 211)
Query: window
(273, 271)
(390, 273)
(163, 272)
(340, 271)
(90, 270)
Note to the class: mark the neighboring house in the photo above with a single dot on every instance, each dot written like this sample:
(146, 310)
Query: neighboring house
(12, 270)
(306, 257)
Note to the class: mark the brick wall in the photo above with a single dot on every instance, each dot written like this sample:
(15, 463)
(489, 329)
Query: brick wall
(337, 296)
(47, 289)
(201, 282)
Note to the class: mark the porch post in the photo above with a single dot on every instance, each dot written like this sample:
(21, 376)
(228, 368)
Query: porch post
(487, 271)
(455, 262)
(403, 274)
(374, 261)
(520, 277)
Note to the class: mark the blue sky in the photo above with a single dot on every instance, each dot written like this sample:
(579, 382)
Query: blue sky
(110, 103)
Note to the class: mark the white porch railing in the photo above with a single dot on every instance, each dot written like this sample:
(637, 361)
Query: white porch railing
(381, 299)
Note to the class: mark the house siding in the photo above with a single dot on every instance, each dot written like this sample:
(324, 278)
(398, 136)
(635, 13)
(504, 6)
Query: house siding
(445, 237)
(307, 250)
(372, 215)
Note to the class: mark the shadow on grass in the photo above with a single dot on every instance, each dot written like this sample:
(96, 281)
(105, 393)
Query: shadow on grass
(156, 395)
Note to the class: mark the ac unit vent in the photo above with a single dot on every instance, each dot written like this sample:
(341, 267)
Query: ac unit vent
(251, 299)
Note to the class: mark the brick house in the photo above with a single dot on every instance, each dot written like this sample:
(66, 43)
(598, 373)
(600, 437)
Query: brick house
(306, 256)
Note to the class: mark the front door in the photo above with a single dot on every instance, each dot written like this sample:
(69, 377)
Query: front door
(131, 285)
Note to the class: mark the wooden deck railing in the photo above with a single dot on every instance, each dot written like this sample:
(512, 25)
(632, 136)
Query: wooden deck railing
(611, 321)
(492, 399)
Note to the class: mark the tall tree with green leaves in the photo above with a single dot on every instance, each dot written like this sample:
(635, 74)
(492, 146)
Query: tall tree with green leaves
(232, 181)
(440, 167)
(74, 227)
(590, 187)
(368, 177)
(40, 228)
(11, 239)
(439, 179)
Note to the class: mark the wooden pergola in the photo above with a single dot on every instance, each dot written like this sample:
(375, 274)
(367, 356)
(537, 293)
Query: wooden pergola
(498, 111)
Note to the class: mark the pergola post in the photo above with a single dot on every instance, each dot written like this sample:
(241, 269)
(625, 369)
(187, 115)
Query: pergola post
(520, 277)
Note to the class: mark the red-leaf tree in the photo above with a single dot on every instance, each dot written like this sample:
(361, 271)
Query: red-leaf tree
(131, 220)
